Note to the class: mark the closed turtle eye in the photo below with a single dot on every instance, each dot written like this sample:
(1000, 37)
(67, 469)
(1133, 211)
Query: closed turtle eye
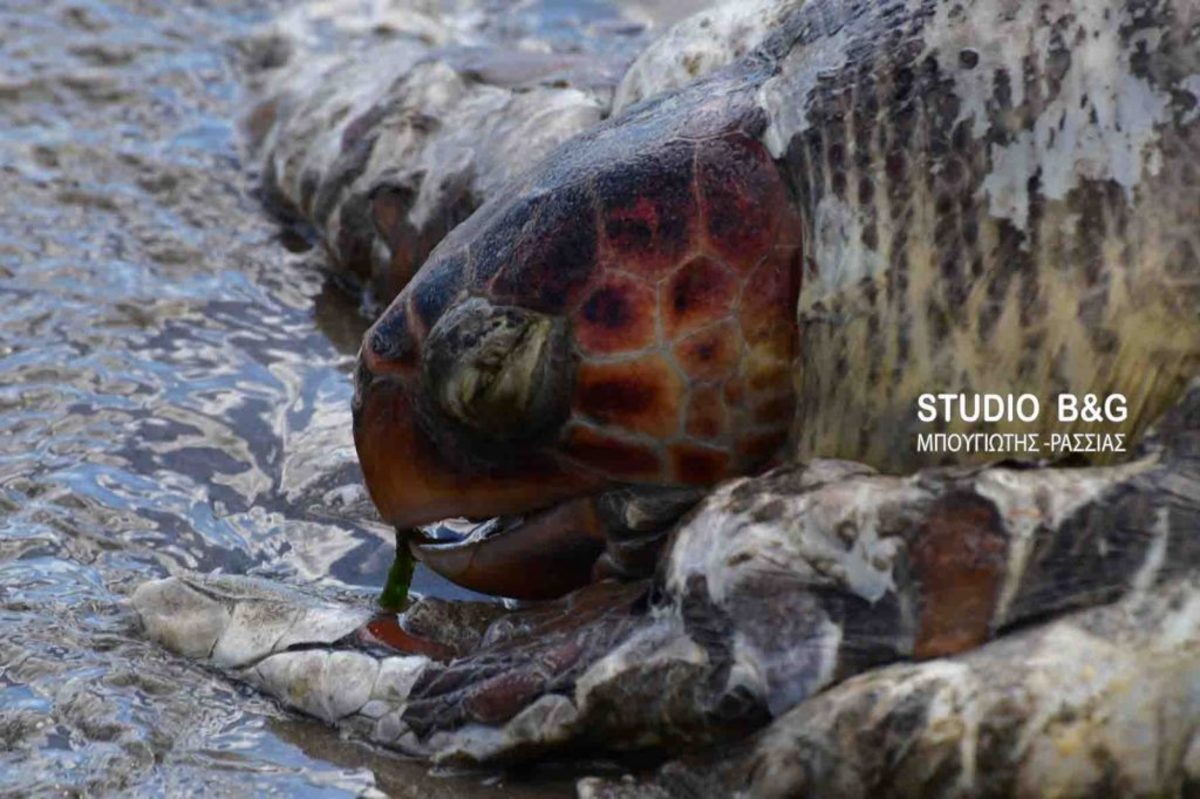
(500, 371)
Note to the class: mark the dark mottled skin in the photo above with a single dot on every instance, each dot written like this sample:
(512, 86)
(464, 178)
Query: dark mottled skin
(1096, 290)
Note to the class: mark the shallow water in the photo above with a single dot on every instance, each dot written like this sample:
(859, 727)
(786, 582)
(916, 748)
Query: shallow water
(174, 393)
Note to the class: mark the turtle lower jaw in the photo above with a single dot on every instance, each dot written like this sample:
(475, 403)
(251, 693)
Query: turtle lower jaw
(547, 553)
(540, 555)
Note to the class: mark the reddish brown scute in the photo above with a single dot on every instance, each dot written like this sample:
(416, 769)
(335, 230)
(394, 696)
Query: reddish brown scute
(711, 353)
(617, 458)
(640, 396)
(648, 209)
(742, 198)
(699, 291)
(617, 315)
(685, 327)
(548, 269)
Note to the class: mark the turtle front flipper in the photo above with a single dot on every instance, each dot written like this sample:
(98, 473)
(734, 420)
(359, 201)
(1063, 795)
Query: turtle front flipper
(774, 594)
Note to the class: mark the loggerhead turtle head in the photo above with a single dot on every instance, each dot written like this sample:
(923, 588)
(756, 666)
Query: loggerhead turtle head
(622, 315)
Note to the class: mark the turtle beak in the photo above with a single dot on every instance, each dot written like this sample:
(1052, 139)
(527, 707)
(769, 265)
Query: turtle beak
(412, 481)
(537, 556)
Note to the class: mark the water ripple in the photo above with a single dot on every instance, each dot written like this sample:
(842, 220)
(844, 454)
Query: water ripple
(174, 392)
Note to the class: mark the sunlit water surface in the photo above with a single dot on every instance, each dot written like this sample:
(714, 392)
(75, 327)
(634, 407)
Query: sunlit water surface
(174, 393)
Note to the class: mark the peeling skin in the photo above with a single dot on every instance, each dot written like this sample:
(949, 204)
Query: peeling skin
(237, 621)
(1099, 122)
(845, 261)
(179, 617)
(789, 529)
(1031, 506)
(439, 116)
(1100, 703)
(787, 96)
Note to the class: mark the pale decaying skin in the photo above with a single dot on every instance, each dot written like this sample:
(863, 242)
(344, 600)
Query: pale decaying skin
(433, 110)
(1100, 703)
(700, 44)
(1041, 237)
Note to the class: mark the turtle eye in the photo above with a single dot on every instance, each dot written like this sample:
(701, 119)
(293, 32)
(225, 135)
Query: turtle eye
(501, 371)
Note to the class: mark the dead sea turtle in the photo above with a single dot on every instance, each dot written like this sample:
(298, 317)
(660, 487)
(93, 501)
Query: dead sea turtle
(877, 200)
(882, 200)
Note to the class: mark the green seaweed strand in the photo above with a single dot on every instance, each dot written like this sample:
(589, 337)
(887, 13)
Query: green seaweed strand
(395, 591)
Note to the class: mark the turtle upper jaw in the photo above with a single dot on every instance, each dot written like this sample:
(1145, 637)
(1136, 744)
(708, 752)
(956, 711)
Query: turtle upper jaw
(413, 481)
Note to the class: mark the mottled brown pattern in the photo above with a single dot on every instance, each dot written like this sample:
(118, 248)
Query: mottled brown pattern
(1092, 291)
(618, 315)
(699, 292)
(711, 353)
(640, 395)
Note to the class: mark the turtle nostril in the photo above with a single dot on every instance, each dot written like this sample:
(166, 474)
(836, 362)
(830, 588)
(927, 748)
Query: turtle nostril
(378, 348)
(389, 345)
